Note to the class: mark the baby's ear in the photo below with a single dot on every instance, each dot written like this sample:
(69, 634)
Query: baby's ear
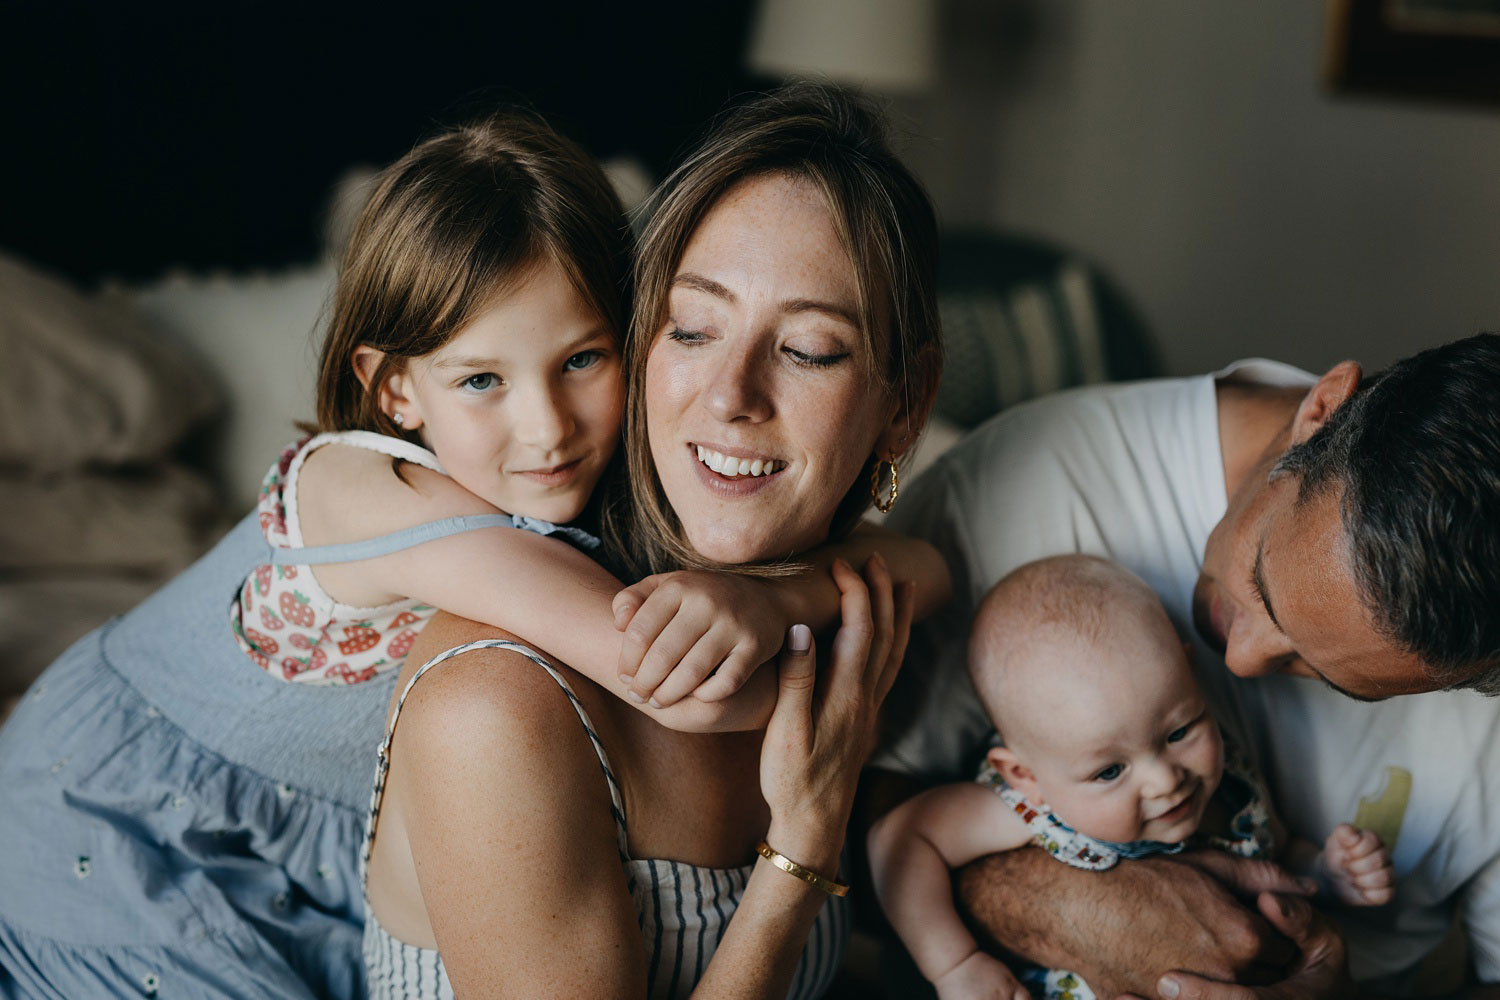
(1016, 774)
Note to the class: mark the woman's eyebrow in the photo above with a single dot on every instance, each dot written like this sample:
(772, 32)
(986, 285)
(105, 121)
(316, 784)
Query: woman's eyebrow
(697, 282)
(700, 283)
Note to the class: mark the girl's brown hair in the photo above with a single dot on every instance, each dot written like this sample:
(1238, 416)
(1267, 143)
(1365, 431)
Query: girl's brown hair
(452, 224)
(835, 140)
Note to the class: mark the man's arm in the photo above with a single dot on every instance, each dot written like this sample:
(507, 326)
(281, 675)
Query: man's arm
(1123, 928)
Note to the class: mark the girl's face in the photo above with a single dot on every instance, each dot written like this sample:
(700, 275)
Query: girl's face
(522, 406)
(761, 401)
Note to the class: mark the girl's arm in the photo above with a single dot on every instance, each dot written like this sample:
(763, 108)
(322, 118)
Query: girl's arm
(664, 614)
(541, 589)
(912, 852)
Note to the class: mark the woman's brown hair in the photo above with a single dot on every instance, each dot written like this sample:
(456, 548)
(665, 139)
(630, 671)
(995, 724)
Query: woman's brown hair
(835, 140)
(452, 224)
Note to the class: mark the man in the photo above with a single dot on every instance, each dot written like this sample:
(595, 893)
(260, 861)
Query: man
(1331, 540)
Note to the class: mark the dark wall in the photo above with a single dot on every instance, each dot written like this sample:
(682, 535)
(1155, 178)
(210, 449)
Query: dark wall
(135, 137)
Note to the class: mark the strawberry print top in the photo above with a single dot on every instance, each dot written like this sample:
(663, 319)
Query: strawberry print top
(288, 624)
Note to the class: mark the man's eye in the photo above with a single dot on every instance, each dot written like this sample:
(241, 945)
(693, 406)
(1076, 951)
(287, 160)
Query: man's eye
(582, 360)
(481, 382)
(1109, 773)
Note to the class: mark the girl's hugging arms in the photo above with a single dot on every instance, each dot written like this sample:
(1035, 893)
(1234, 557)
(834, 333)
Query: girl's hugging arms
(689, 624)
(912, 852)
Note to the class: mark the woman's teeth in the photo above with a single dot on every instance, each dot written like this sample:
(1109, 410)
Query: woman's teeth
(726, 465)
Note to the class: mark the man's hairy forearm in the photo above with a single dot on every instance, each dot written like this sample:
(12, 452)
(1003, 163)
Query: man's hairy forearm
(1119, 929)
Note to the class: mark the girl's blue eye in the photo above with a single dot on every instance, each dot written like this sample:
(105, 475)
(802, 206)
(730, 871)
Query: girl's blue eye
(582, 360)
(1178, 734)
(1110, 773)
(815, 360)
(481, 382)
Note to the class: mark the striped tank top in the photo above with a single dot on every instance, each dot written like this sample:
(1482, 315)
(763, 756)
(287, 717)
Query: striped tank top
(683, 909)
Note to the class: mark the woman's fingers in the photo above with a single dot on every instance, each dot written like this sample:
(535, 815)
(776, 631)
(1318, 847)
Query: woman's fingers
(851, 644)
(906, 602)
(883, 615)
(796, 672)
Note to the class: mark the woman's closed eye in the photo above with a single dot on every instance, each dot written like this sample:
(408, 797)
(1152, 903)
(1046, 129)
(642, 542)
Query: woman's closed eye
(811, 359)
(1109, 773)
(681, 336)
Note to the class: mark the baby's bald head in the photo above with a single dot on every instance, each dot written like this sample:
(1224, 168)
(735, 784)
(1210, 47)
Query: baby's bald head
(1046, 637)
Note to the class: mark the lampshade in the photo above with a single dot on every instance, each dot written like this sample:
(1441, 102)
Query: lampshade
(887, 45)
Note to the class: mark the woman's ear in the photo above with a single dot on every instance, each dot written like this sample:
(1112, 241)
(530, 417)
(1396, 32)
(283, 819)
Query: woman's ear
(1327, 395)
(1016, 774)
(910, 415)
(394, 395)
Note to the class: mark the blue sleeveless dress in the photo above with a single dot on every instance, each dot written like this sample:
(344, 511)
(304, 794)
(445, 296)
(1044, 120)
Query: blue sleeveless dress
(177, 823)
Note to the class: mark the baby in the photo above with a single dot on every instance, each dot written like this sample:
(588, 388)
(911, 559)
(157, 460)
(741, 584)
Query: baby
(1110, 752)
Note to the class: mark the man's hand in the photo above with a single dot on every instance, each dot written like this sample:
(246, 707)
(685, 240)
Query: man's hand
(1123, 928)
(1319, 971)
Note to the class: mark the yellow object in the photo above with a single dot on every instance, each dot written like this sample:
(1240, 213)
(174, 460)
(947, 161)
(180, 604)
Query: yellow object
(1384, 814)
(807, 875)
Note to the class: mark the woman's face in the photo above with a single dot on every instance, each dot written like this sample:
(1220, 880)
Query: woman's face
(761, 401)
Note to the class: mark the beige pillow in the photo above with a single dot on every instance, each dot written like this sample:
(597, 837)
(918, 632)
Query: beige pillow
(83, 381)
(154, 522)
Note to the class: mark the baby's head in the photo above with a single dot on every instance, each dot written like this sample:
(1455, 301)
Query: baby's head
(478, 312)
(1103, 721)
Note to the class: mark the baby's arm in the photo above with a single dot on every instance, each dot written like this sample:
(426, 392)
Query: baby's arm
(912, 850)
(1353, 867)
(668, 617)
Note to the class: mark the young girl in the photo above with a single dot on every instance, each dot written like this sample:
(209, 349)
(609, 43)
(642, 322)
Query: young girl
(179, 820)
(471, 386)
(1110, 753)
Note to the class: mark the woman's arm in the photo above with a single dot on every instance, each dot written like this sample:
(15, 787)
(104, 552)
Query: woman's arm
(508, 816)
(510, 830)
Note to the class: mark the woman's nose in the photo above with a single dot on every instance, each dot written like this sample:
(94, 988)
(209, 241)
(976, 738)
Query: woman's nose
(737, 388)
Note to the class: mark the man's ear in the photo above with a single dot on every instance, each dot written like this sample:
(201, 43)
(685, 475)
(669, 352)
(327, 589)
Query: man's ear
(1328, 394)
(394, 395)
(1016, 774)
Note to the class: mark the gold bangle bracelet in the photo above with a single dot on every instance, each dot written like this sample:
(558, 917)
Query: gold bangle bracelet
(807, 875)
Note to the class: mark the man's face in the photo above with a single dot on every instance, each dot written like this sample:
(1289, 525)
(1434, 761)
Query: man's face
(1277, 595)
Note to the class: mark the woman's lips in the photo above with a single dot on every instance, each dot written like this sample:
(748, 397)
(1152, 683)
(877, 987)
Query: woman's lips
(557, 475)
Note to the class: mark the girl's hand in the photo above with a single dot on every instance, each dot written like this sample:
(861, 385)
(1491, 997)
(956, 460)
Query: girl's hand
(823, 729)
(682, 627)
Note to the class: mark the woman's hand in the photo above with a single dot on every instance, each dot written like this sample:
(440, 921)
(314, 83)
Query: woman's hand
(824, 728)
(682, 627)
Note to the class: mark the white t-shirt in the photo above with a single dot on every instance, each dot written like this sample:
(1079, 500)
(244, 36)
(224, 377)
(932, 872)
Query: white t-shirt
(1134, 473)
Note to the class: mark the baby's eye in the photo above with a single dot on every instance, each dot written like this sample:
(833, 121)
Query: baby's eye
(482, 381)
(582, 360)
(1109, 773)
(1178, 734)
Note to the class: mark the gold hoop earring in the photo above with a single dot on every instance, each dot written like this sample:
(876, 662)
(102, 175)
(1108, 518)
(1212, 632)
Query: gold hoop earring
(875, 477)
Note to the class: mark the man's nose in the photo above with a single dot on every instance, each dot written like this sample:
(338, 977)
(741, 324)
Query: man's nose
(1255, 647)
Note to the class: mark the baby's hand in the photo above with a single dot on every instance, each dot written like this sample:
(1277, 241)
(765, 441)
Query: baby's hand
(681, 627)
(980, 977)
(1356, 867)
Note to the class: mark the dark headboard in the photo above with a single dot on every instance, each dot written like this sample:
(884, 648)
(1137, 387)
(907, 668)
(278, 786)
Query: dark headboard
(137, 137)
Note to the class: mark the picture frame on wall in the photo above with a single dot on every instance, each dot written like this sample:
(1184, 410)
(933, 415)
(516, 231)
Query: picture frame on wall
(1434, 49)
